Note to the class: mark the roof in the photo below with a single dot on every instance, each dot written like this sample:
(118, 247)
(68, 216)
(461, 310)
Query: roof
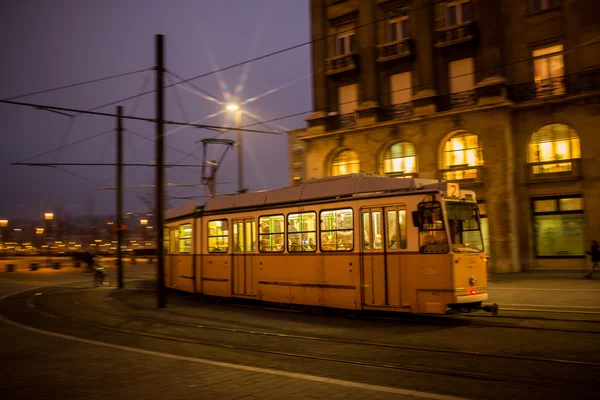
(180, 211)
(320, 189)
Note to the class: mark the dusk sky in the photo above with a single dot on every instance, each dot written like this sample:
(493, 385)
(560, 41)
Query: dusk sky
(47, 44)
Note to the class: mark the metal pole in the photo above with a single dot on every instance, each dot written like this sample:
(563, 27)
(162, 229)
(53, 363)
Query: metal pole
(160, 171)
(238, 124)
(119, 221)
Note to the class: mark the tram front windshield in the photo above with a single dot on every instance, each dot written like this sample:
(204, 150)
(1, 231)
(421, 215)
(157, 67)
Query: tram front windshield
(463, 224)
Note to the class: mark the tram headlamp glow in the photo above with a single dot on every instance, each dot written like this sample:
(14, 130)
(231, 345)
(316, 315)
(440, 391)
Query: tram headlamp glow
(472, 291)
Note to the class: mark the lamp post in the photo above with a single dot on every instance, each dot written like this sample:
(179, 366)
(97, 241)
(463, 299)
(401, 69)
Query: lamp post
(238, 124)
(48, 217)
(3, 225)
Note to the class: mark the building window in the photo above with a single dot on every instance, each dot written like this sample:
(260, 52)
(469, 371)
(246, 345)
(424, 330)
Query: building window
(218, 236)
(458, 12)
(462, 152)
(554, 142)
(271, 234)
(185, 238)
(345, 162)
(462, 82)
(401, 88)
(397, 29)
(541, 5)
(302, 232)
(337, 228)
(549, 71)
(347, 104)
(344, 42)
(559, 227)
(400, 159)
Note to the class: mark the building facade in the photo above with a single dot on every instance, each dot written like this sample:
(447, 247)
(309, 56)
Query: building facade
(501, 96)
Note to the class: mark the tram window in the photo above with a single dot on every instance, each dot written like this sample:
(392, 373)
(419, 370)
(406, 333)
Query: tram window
(302, 232)
(271, 234)
(250, 236)
(174, 245)
(218, 236)
(432, 235)
(237, 236)
(337, 232)
(166, 240)
(185, 238)
(366, 231)
(463, 223)
(396, 221)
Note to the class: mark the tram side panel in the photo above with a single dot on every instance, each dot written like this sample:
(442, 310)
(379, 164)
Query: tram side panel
(427, 282)
(341, 275)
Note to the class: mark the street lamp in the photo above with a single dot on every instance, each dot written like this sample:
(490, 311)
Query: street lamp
(3, 225)
(49, 217)
(238, 124)
(143, 222)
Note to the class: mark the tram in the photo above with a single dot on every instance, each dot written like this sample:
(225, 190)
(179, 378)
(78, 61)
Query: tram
(358, 242)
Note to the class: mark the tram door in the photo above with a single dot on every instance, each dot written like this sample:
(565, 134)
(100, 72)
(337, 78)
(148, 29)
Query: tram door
(383, 238)
(244, 245)
(373, 257)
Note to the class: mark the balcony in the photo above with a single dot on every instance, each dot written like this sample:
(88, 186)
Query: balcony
(397, 111)
(463, 173)
(548, 88)
(339, 64)
(394, 50)
(344, 121)
(455, 34)
(457, 100)
(554, 170)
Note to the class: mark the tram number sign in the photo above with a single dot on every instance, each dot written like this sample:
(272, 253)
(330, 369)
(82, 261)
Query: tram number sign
(452, 189)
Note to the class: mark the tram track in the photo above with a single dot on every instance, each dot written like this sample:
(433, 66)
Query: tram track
(337, 360)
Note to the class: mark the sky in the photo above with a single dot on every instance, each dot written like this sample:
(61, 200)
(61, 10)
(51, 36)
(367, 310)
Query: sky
(48, 44)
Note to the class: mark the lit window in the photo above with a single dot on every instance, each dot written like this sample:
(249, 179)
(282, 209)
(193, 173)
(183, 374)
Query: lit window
(559, 227)
(346, 162)
(270, 233)
(554, 142)
(549, 70)
(337, 233)
(400, 159)
(397, 29)
(185, 238)
(302, 232)
(461, 152)
(458, 12)
(218, 236)
(244, 236)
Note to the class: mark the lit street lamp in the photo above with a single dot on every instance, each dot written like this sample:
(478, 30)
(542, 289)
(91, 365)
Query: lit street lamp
(49, 217)
(3, 225)
(238, 124)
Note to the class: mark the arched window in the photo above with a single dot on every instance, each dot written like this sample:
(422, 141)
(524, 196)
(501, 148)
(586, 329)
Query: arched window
(554, 142)
(462, 152)
(400, 159)
(345, 162)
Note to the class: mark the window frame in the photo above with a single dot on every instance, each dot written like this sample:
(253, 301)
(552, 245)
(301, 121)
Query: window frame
(301, 232)
(209, 236)
(320, 230)
(184, 239)
(348, 38)
(337, 155)
(400, 34)
(458, 12)
(390, 159)
(270, 234)
(557, 211)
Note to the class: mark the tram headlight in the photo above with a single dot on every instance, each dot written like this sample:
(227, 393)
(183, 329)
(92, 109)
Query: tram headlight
(473, 280)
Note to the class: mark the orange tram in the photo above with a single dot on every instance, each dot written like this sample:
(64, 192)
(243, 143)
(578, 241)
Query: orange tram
(354, 242)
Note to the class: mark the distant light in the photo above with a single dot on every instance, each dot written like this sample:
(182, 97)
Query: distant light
(232, 107)
(48, 216)
(3, 222)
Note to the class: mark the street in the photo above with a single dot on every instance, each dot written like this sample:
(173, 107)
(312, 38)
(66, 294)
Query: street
(63, 339)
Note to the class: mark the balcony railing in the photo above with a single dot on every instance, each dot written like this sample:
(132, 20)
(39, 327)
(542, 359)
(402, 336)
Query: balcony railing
(568, 84)
(345, 121)
(555, 169)
(394, 50)
(339, 64)
(448, 36)
(457, 100)
(401, 110)
(464, 173)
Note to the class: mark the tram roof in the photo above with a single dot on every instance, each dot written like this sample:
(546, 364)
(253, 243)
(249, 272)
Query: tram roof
(322, 189)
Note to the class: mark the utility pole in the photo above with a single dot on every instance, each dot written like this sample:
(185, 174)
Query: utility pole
(238, 124)
(160, 173)
(120, 195)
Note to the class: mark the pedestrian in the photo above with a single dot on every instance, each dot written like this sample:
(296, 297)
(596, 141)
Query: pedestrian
(595, 253)
(89, 260)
